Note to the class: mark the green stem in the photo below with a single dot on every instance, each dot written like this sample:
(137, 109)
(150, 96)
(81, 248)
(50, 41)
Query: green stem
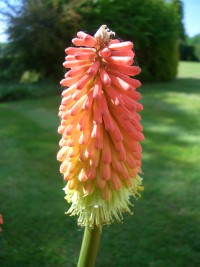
(89, 248)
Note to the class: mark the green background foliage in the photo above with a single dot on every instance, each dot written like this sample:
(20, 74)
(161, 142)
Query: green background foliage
(38, 35)
(195, 42)
(190, 48)
(41, 30)
(153, 26)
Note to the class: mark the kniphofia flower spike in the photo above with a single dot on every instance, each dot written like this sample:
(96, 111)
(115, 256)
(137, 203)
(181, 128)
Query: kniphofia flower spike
(100, 126)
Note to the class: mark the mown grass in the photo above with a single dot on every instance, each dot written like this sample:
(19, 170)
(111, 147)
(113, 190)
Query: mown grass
(164, 230)
(16, 91)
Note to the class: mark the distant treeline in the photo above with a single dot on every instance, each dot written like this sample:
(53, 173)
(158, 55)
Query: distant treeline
(40, 30)
(190, 48)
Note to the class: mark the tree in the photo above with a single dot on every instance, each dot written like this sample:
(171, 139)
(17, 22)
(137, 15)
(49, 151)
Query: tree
(191, 48)
(42, 29)
(39, 33)
(178, 5)
(153, 26)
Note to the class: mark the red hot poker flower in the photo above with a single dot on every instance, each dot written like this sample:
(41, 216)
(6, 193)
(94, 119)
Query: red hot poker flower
(100, 126)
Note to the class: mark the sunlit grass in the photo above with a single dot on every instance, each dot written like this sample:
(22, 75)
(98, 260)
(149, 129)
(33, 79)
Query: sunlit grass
(164, 230)
(189, 70)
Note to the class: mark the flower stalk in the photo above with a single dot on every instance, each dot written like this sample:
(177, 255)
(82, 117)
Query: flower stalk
(90, 246)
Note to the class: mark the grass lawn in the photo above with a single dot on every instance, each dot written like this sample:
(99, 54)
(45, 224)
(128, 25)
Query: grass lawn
(164, 230)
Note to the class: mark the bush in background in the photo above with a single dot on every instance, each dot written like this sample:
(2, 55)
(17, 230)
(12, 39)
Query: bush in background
(153, 26)
(197, 51)
(188, 53)
(41, 30)
(38, 34)
(190, 49)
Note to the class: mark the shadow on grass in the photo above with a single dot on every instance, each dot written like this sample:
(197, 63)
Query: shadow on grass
(187, 85)
(164, 230)
(171, 123)
(181, 85)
